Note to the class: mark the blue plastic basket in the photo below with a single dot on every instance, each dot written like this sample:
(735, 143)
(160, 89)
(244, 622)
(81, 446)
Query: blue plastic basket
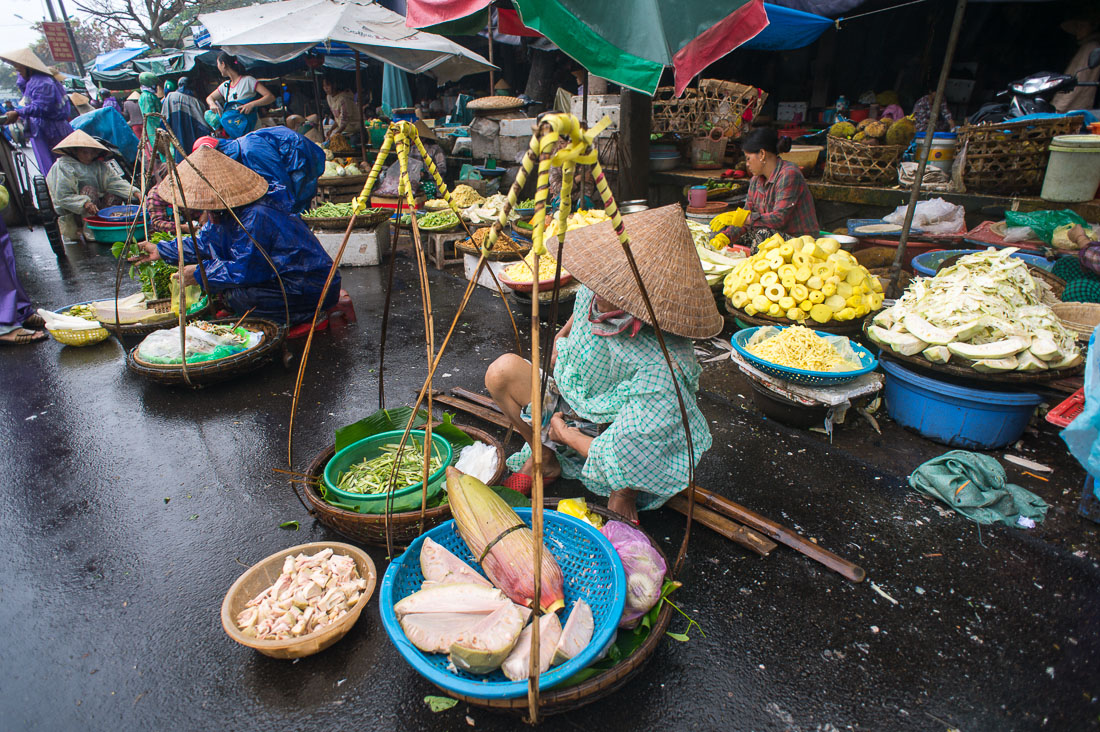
(868, 363)
(593, 572)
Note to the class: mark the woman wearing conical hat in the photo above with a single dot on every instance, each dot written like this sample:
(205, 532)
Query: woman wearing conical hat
(45, 115)
(236, 270)
(611, 417)
(81, 182)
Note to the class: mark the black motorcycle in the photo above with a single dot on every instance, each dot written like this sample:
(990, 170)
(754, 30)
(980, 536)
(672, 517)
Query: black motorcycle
(1032, 95)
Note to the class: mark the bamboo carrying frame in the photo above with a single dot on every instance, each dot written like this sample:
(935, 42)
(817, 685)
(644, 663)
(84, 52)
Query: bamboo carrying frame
(579, 150)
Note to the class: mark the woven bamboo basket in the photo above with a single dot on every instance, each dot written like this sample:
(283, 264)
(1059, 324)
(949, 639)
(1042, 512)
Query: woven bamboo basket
(370, 529)
(1010, 157)
(366, 220)
(210, 372)
(557, 701)
(162, 306)
(1080, 317)
(726, 105)
(860, 164)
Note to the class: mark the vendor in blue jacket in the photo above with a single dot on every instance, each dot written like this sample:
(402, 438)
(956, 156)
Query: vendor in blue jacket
(236, 269)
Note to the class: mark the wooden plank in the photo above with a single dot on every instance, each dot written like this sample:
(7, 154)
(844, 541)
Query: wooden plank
(719, 524)
(476, 410)
(779, 533)
(473, 396)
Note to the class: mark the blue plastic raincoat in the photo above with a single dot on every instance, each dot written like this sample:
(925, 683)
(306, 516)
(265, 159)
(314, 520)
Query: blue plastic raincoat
(284, 158)
(109, 125)
(239, 273)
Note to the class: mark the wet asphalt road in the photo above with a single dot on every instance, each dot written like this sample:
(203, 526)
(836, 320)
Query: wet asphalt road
(129, 509)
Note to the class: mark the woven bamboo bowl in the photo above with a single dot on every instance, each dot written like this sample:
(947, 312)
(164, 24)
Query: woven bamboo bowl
(263, 574)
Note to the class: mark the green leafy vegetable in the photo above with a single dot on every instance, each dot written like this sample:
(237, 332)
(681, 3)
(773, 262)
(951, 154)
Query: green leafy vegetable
(387, 420)
(440, 703)
(629, 641)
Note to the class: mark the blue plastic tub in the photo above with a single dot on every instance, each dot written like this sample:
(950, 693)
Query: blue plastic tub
(956, 415)
(928, 263)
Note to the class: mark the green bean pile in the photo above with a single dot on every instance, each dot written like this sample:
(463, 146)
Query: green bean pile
(438, 219)
(372, 476)
(529, 203)
(329, 210)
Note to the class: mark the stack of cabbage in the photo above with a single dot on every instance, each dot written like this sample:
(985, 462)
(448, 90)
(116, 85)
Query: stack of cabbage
(803, 277)
(986, 312)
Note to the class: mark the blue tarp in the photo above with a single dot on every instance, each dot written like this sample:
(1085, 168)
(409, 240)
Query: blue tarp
(114, 59)
(395, 89)
(284, 158)
(108, 125)
(240, 273)
(788, 29)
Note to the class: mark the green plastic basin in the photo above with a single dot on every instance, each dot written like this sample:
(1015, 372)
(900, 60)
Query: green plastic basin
(404, 499)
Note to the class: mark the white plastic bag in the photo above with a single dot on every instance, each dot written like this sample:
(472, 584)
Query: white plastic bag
(935, 216)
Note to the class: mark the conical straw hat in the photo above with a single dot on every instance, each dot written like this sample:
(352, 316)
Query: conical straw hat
(79, 139)
(134, 96)
(237, 184)
(78, 99)
(668, 263)
(26, 57)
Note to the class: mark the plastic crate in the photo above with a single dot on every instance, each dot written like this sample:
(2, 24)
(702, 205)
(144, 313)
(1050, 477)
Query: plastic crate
(1068, 410)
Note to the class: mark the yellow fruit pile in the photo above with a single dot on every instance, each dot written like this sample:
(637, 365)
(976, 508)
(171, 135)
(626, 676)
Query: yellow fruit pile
(584, 217)
(803, 278)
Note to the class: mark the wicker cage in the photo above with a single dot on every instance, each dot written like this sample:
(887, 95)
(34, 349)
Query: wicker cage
(860, 164)
(1010, 157)
(726, 105)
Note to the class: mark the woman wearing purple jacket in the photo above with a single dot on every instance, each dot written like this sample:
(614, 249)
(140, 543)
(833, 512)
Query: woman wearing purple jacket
(45, 115)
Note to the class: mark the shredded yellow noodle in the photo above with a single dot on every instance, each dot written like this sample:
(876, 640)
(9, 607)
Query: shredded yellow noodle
(799, 347)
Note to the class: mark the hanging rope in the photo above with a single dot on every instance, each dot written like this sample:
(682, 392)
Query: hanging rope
(838, 21)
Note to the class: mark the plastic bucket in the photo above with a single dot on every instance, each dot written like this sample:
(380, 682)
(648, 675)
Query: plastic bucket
(371, 447)
(928, 264)
(1073, 171)
(943, 149)
(956, 415)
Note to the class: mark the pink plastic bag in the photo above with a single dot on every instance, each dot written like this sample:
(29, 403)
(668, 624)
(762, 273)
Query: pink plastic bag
(645, 570)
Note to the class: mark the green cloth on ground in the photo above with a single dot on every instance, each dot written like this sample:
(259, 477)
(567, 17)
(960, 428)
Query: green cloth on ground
(1082, 285)
(976, 486)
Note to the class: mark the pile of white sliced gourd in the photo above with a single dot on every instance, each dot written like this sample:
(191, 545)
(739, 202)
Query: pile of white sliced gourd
(986, 312)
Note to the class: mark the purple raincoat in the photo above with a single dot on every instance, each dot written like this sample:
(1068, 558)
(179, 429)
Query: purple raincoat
(113, 103)
(45, 116)
(15, 305)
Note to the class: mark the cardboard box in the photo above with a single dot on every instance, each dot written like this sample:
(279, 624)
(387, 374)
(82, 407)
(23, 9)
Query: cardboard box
(791, 111)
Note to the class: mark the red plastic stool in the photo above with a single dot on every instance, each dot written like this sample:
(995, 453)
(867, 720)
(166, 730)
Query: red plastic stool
(343, 307)
(302, 329)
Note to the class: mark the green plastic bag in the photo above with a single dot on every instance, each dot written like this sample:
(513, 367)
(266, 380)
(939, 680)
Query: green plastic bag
(1043, 223)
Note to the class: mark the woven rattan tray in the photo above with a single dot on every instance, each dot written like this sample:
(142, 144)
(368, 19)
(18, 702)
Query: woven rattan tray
(495, 104)
(210, 372)
(559, 700)
(846, 328)
(366, 220)
(966, 373)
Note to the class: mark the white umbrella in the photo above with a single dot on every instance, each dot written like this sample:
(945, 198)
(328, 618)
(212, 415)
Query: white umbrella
(280, 31)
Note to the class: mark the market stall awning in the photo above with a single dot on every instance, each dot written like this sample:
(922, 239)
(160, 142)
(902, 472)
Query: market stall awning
(280, 31)
(629, 42)
(113, 59)
(788, 29)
